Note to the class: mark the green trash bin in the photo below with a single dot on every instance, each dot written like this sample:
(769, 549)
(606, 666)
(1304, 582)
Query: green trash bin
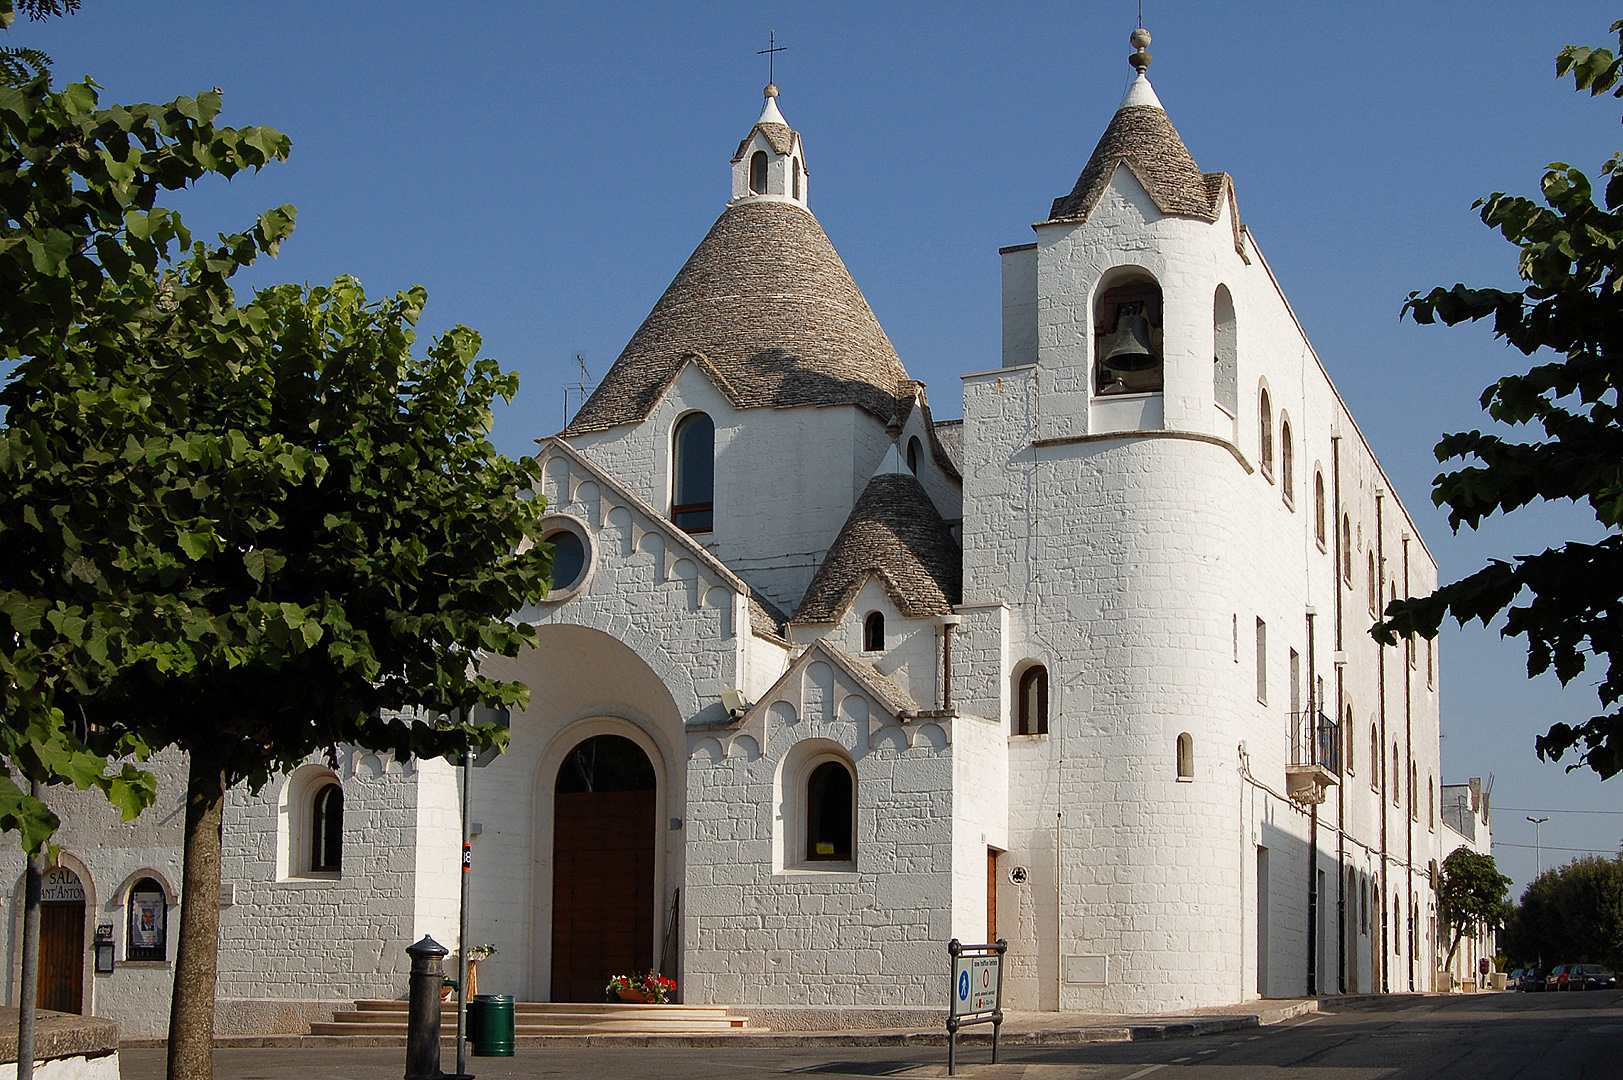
(490, 1025)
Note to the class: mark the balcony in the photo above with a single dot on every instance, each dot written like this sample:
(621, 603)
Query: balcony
(1315, 758)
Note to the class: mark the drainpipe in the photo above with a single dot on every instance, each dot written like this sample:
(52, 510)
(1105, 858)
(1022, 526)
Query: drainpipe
(1414, 788)
(1312, 832)
(1387, 929)
(1341, 708)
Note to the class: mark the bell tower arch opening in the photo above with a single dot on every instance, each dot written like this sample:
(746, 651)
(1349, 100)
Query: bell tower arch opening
(1127, 336)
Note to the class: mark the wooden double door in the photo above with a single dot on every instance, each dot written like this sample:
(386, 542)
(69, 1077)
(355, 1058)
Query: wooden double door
(61, 942)
(604, 910)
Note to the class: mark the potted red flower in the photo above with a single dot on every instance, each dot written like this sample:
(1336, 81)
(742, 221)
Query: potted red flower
(650, 989)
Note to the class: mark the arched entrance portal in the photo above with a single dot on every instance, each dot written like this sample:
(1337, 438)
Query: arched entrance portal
(602, 867)
(61, 941)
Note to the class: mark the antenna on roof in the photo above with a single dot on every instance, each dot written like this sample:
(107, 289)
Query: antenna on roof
(770, 52)
(585, 386)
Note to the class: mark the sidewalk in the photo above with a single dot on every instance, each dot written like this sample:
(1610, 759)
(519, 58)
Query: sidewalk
(1019, 1029)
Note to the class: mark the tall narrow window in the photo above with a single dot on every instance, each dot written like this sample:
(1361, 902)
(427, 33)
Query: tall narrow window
(1374, 758)
(1186, 757)
(1225, 353)
(794, 167)
(1395, 777)
(1374, 586)
(758, 173)
(148, 937)
(1350, 735)
(1031, 706)
(1318, 507)
(1262, 661)
(829, 813)
(693, 506)
(1346, 549)
(915, 452)
(873, 632)
(1265, 434)
(327, 829)
(1431, 803)
(1287, 464)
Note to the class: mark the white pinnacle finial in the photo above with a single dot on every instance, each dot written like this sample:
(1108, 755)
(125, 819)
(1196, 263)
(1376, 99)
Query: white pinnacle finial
(770, 113)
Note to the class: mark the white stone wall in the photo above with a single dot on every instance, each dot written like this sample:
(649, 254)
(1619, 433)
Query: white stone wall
(912, 653)
(786, 479)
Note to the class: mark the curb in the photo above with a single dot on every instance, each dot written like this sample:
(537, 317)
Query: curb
(1148, 1032)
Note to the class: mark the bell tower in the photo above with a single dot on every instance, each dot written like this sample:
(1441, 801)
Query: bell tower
(770, 165)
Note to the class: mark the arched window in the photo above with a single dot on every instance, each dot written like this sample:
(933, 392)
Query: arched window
(148, 937)
(1349, 733)
(873, 632)
(1431, 803)
(758, 173)
(1374, 758)
(1346, 548)
(1318, 508)
(327, 828)
(1225, 353)
(1186, 756)
(1374, 586)
(1127, 338)
(914, 453)
(829, 813)
(1031, 704)
(1287, 465)
(1265, 434)
(794, 168)
(693, 505)
(1395, 777)
(1414, 792)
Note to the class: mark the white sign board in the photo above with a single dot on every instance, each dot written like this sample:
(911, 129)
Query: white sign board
(975, 984)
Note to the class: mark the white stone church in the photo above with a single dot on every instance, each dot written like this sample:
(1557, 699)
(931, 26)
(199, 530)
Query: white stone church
(825, 681)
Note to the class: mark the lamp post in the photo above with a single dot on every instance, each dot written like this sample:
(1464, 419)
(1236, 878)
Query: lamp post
(1538, 852)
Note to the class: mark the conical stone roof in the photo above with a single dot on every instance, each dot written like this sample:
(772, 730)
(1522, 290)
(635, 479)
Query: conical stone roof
(768, 308)
(1142, 138)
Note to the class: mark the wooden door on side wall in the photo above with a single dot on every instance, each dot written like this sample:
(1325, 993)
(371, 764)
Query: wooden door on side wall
(61, 942)
(603, 904)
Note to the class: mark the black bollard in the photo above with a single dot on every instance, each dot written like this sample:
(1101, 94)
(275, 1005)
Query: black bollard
(423, 1023)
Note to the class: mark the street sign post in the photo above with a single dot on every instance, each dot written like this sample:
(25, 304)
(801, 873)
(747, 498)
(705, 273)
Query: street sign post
(977, 993)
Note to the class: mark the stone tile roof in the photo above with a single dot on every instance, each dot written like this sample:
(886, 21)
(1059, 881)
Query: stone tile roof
(895, 533)
(769, 309)
(781, 136)
(1143, 139)
(914, 396)
(766, 621)
(950, 433)
(887, 690)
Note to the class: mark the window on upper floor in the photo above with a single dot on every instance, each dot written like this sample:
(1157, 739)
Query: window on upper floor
(1374, 758)
(693, 445)
(1318, 508)
(1031, 701)
(1225, 353)
(1350, 737)
(873, 632)
(1186, 756)
(327, 829)
(1346, 549)
(1265, 434)
(758, 173)
(830, 813)
(1431, 803)
(1431, 661)
(794, 169)
(1374, 586)
(148, 934)
(1287, 465)
(1395, 777)
(915, 454)
(1262, 662)
(1127, 338)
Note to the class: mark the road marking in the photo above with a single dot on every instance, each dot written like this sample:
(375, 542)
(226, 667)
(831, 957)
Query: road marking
(1143, 1072)
(1180, 1061)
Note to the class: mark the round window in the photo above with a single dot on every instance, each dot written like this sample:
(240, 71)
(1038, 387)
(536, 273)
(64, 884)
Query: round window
(568, 559)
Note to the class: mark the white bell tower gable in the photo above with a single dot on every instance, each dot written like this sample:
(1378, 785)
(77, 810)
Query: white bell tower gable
(770, 165)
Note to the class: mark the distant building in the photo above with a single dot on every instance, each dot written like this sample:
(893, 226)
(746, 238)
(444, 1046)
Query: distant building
(1467, 823)
(826, 681)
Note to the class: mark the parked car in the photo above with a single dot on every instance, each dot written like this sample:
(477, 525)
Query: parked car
(1531, 980)
(1590, 977)
(1557, 978)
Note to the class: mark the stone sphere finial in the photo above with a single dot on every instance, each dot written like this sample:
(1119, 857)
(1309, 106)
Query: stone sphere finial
(771, 90)
(1140, 41)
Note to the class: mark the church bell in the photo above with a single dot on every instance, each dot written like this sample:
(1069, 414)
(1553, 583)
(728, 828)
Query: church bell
(1129, 349)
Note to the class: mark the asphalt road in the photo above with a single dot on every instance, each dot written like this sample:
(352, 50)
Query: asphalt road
(1483, 1037)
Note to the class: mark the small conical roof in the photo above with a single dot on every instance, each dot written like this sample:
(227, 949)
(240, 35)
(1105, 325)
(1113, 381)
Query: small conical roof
(767, 306)
(1142, 138)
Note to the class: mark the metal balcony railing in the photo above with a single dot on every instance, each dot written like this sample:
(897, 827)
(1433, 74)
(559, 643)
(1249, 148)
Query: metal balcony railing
(1315, 740)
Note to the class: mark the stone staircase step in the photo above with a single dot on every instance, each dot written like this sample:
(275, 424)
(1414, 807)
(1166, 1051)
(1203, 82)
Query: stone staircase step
(388, 1018)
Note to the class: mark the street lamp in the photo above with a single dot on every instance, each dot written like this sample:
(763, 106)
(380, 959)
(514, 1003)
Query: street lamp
(1538, 852)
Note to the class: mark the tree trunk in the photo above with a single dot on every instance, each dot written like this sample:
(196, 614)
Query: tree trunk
(28, 982)
(1459, 933)
(191, 1012)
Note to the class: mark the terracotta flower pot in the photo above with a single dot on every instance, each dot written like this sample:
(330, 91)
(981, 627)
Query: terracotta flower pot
(636, 997)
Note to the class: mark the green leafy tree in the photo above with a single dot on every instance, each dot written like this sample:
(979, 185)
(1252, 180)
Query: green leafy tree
(20, 63)
(1470, 893)
(1567, 601)
(1573, 913)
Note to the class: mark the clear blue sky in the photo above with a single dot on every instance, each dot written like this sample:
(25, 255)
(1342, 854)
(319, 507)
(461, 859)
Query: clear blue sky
(544, 169)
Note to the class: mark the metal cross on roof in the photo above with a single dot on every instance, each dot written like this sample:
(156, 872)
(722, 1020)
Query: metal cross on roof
(770, 52)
